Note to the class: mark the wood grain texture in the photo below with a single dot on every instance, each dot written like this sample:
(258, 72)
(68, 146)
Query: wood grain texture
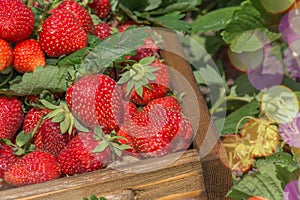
(182, 178)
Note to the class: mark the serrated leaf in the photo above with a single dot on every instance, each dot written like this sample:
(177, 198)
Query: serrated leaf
(50, 78)
(213, 21)
(172, 21)
(257, 184)
(247, 31)
(113, 48)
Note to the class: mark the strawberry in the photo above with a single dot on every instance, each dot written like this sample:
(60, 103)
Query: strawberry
(147, 50)
(11, 116)
(95, 100)
(28, 55)
(127, 141)
(130, 111)
(16, 21)
(6, 55)
(81, 154)
(7, 158)
(51, 139)
(101, 7)
(169, 102)
(35, 167)
(145, 81)
(80, 14)
(103, 30)
(31, 120)
(61, 34)
(124, 26)
(152, 131)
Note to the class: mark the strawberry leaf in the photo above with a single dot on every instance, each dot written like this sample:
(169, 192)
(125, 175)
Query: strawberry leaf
(50, 78)
(22, 139)
(79, 126)
(147, 60)
(111, 49)
(65, 124)
(101, 146)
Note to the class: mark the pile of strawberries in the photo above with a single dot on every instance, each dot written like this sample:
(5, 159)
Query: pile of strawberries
(129, 110)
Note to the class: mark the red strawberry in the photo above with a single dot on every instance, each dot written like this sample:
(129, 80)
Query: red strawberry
(51, 139)
(80, 13)
(31, 120)
(101, 7)
(167, 102)
(138, 74)
(6, 55)
(35, 167)
(127, 141)
(148, 50)
(16, 21)
(95, 100)
(130, 111)
(11, 116)
(153, 130)
(28, 55)
(7, 158)
(77, 158)
(122, 27)
(62, 34)
(103, 30)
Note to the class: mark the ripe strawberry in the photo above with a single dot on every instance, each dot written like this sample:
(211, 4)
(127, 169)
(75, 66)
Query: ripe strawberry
(51, 139)
(31, 120)
(76, 158)
(35, 167)
(147, 50)
(62, 34)
(11, 116)
(7, 158)
(138, 75)
(101, 7)
(103, 30)
(28, 55)
(153, 130)
(169, 102)
(16, 21)
(95, 100)
(80, 13)
(130, 111)
(128, 141)
(6, 55)
(124, 26)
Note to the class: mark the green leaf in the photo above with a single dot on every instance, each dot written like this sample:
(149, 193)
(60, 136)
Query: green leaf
(113, 48)
(208, 75)
(247, 31)
(257, 184)
(179, 5)
(65, 124)
(213, 21)
(74, 58)
(172, 21)
(6, 141)
(231, 121)
(49, 105)
(50, 78)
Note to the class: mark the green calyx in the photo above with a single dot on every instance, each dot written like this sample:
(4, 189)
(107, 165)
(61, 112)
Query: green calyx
(139, 75)
(60, 114)
(109, 140)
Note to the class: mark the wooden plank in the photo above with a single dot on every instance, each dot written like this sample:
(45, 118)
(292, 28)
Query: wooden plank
(182, 176)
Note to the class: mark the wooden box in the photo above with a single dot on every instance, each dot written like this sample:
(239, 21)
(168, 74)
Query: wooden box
(186, 177)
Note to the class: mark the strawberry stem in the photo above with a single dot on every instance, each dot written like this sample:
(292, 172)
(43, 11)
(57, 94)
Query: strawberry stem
(7, 79)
